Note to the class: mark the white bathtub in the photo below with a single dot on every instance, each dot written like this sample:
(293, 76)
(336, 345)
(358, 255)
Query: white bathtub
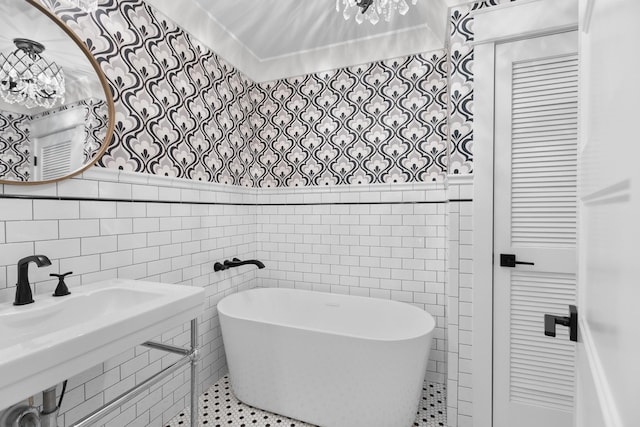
(330, 360)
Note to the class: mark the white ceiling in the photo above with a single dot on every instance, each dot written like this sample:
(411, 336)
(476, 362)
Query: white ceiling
(271, 39)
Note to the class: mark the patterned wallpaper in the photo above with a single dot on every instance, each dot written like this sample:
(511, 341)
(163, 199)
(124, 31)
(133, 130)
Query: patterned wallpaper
(15, 146)
(183, 111)
(376, 123)
(461, 86)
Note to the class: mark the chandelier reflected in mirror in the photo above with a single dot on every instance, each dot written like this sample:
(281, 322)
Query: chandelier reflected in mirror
(372, 10)
(28, 79)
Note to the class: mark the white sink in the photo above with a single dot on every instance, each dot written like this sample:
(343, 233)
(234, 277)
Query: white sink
(44, 343)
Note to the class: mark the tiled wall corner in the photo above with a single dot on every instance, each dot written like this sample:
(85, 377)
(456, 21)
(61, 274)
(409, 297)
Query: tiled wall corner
(141, 227)
(459, 302)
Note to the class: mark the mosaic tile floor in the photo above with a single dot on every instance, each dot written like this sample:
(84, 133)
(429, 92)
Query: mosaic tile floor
(219, 407)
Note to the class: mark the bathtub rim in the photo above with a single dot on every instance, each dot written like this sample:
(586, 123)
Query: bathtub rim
(428, 332)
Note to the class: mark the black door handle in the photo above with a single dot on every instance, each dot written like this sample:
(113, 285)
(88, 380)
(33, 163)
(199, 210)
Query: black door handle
(550, 322)
(509, 260)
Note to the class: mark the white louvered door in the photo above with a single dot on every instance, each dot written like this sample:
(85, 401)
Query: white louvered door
(58, 153)
(536, 131)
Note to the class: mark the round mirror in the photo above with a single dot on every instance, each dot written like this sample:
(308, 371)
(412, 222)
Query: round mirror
(56, 108)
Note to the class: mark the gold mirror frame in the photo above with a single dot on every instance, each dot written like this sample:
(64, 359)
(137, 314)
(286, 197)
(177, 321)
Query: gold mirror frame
(105, 87)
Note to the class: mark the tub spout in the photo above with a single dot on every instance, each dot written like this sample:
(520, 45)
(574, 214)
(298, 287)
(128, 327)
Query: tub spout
(236, 263)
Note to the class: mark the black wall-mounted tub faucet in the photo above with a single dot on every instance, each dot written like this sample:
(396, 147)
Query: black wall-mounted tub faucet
(219, 266)
(236, 263)
(23, 288)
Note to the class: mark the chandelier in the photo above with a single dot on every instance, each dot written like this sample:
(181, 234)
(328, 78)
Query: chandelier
(372, 10)
(86, 5)
(27, 78)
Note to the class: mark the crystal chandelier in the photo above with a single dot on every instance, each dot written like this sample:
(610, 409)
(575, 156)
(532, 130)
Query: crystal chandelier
(26, 78)
(86, 5)
(371, 10)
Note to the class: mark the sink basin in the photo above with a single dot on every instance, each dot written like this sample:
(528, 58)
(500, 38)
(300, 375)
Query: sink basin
(44, 343)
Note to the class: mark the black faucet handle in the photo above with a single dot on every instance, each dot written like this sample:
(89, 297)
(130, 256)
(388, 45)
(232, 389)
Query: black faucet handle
(61, 289)
(61, 276)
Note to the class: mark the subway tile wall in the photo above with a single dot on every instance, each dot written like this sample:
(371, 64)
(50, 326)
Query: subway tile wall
(380, 240)
(374, 240)
(459, 302)
(163, 233)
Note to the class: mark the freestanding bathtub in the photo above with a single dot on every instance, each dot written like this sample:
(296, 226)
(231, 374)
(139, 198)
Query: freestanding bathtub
(330, 360)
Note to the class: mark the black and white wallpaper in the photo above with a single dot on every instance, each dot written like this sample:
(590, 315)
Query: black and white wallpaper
(375, 123)
(15, 146)
(183, 111)
(461, 105)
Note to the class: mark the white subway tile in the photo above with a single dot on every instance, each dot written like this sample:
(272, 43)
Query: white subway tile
(55, 209)
(116, 259)
(131, 210)
(146, 254)
(110, 226)
(97, 209)
(136, 271)
(169, 194)
(145, 225)
(16, 210)
(159, 238)
(81, 264)
(114, 190)
(70, 228)
(24, 231)
(77, 188)
(64, 248)
(158, 209)
(132, 241)
(50, 190)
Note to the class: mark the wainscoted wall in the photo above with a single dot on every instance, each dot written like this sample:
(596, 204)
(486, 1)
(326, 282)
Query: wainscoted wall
(381, 241)
(15, 146)
(165, 230)
(459, 300)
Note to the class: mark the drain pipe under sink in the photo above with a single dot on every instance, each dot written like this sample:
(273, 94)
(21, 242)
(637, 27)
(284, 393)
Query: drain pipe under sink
(49, 413)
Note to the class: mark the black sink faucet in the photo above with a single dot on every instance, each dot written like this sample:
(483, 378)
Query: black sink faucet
(23, 288)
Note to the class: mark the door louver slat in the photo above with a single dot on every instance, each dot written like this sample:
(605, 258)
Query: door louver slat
(55, 160)
(544, 152)
(541, 369)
